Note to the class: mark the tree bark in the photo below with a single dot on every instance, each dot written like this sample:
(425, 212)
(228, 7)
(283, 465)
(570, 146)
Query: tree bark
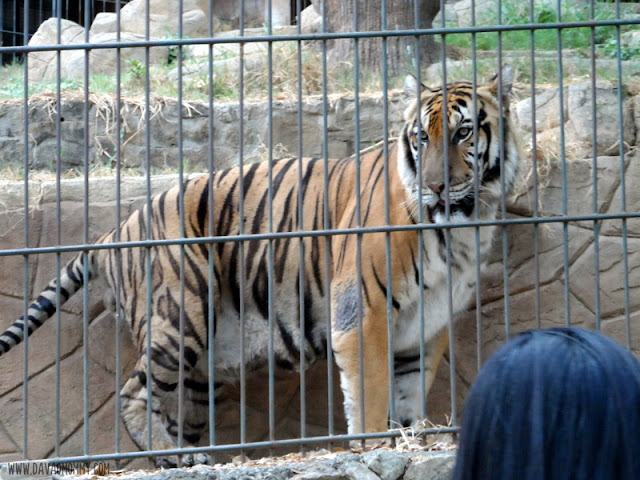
(400, 15)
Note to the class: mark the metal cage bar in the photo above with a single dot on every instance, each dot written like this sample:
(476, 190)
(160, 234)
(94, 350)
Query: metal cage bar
(324, 233)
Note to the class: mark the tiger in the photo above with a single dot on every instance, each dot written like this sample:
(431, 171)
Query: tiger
(339, 284)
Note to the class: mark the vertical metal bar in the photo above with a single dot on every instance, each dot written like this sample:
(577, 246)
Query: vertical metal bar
(272, 425)
(25, 354)
(85, 237)
(505, 237)
(447, 231)
(563, 159)
(15, 27)
(210, 247)
(327, 224)
(356, 89)
(594, 133)
(2, 30)
(476, 184)
(148, 279)
(181, 377)
(243, 370)
(387, 217)
(420, 246)
(623, 191)
(117, 236)
(534, 166)
(301, 249)
(58, 233)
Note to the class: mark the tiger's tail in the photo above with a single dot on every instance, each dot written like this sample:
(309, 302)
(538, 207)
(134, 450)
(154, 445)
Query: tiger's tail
(43, 307)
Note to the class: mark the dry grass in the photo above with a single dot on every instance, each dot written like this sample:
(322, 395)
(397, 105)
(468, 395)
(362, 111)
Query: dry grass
(288, 59)
(15, 173)
(288, 79)
(293, 66)
(414, 439)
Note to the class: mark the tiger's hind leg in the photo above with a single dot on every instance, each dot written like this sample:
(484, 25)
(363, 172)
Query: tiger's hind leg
(372, 362)
(195, 417)
(134, 411)
(408, 387)
(164, 400)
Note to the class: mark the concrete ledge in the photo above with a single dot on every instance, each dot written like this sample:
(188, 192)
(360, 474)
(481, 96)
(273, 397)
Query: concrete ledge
(379, 464)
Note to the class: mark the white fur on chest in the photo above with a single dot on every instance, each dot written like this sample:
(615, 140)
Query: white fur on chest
(228, 341)
(436, 298)
(407, 331)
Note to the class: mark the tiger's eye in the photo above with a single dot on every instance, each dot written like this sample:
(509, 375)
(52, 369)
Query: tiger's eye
(424, 136)
(463, 132)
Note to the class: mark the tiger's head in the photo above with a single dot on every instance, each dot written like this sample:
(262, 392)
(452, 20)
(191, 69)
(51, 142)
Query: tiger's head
(453, 155)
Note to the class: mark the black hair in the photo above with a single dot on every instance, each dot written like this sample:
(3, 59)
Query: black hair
(557, 404)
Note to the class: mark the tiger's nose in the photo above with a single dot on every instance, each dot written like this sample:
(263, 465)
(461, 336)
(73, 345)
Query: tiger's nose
(436, 187)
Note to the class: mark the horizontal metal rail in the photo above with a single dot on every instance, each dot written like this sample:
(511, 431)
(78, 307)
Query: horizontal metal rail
(244, 446)
(211, 238)
(320, 233)
(323, 36)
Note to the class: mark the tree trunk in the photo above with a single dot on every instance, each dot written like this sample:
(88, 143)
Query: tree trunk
(400, 55)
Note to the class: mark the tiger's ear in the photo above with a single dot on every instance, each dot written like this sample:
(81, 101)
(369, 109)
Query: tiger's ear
(506, 75)
(410, 87)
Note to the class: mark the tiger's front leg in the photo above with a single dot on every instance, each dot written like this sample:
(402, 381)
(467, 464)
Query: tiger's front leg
(373, 361)
(408, 385)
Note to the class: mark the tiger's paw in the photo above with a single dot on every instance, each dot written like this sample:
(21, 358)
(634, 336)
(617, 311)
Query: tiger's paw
(196, 459)
(166, 462)
(359, 446)
(188, 460)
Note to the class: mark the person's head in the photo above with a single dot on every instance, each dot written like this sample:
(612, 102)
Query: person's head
(553, 404)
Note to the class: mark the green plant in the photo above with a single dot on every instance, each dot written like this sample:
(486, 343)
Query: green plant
(14, 88)
(102, 83)
(609, 48)
(136, 69)
(517, 12)
(12, 80)
(175, 51)
(222, 89)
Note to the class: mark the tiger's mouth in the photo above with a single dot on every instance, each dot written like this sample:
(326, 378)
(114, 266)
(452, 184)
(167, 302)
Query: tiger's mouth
(430, 200)
(434, 200)
(437, 205)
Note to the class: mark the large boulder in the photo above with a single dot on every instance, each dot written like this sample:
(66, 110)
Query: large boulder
(227, 12)
(465, 9)
(311, 19)
(579, 122)
(610, 109)
(164, 19)
(43, 65)
(164, 22)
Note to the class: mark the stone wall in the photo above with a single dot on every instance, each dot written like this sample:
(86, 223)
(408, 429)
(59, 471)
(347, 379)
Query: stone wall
(165, 20)
(527, 308)
(380, 464)
(421, 463)
(226, 136)
(164, 114)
